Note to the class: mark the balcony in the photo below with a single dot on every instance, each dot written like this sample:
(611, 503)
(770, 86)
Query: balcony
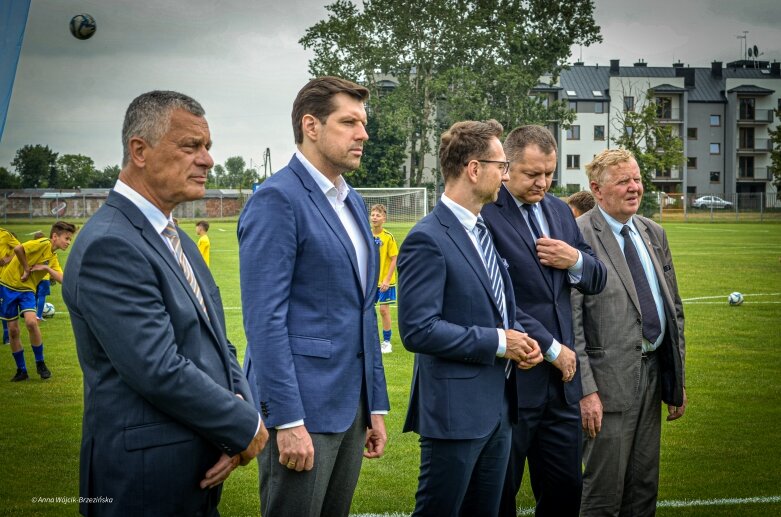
(754, 117)
(668, 175)
(755, 146)
(667, 115)
(755, 174)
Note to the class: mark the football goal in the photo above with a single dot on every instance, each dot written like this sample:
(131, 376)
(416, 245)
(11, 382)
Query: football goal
(405, 205)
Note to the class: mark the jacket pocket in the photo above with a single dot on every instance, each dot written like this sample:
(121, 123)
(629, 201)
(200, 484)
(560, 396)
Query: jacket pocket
(311, 346)
(156, 435)
(595, 352)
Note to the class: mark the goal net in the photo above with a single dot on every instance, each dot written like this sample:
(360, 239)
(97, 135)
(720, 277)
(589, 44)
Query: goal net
(405, 205)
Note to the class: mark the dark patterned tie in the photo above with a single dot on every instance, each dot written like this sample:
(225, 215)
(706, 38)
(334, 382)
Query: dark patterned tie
(532, 220)
(652, 327)
(172, 235)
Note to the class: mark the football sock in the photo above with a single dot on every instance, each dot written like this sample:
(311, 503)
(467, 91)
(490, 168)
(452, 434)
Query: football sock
(19, 358)
(38, 351)
(386, 335)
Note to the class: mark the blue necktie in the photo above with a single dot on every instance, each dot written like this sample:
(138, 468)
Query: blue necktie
(532, 220)
(652, 327)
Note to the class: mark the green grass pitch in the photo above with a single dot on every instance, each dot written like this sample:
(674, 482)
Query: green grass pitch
(728, 445)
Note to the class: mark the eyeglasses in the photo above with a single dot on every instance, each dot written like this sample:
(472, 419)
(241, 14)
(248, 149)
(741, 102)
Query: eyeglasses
(505, 164)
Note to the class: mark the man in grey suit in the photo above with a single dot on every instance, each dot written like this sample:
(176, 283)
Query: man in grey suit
(630, 343)
(167, 410)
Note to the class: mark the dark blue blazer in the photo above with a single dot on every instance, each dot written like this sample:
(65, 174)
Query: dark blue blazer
(312, 339)
(542, 293)
(160, 378)
(448, 317)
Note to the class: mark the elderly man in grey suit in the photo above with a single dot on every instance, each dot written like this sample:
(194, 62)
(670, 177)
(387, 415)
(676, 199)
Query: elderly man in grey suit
(630, 344)
(167, 410)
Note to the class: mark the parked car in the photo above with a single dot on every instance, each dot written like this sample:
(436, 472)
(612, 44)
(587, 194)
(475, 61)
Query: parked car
(711, 202)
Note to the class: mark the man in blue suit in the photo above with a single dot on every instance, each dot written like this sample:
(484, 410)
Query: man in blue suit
(547, 256)
(308, 285)
(456, 312)
(167, 409)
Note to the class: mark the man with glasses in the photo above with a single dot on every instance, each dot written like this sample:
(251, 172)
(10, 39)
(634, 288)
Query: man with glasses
(457, 314)
(546, 254)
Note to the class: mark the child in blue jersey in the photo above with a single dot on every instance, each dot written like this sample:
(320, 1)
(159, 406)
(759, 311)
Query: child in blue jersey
(386, 288)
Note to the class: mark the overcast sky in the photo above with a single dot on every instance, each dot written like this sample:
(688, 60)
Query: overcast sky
(241, 59)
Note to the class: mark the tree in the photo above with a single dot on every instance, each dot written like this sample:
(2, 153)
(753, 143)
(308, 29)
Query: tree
(234, 171)
(656, 146)
(106, 178)
(451, 60)
(36, 166)
(383, 156)
(775, 154)
(217, 176)
(74, 171)
(9, 179)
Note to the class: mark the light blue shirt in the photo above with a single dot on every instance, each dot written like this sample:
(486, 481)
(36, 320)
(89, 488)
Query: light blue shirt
(469, 221)
(648, 268)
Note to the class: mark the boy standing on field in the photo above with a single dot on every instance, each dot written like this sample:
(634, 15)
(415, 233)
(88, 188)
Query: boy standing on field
(204, 244)
(386, 292)
(18, 281)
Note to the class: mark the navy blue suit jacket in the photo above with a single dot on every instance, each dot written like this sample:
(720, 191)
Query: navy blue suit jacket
(542, 293)
(448, 317)
(312, 339)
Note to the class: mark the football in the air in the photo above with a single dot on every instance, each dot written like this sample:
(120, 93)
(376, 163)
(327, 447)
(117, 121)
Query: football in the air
(83, 26)
(735, 298)
(48, 310)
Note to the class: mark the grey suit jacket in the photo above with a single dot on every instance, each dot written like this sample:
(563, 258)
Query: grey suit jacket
(160, 378)
(608, 328)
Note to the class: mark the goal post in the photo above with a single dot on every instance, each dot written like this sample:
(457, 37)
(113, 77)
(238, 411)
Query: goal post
(405, 205)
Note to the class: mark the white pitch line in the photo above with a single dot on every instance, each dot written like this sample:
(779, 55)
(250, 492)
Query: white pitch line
(684, 503)
(724, 296)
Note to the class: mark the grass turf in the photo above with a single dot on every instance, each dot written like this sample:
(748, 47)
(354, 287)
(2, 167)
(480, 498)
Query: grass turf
(728, 444)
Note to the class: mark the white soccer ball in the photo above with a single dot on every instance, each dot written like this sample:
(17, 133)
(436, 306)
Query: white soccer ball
(735, 298)
(48, 310)
(83, 26)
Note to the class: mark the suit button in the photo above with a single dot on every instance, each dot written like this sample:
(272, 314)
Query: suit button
(359, 355)
(639, 321)
(638, 347)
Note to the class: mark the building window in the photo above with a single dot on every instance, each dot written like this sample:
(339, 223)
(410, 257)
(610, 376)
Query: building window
(691, 133)
(664, 108)
(629, 103)
(691, 162)
(599, 132)
(715, 148)
(715, 120)
(573, 161)
(746, 110)
(573, 133)
(715, 177)
(629, 130)
(599, 107)
(573, 105)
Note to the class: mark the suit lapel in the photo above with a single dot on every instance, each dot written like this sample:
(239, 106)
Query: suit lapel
(654, 252)
(357, 207)
(614, 254)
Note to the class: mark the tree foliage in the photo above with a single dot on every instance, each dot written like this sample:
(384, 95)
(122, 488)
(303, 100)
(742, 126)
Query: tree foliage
(775, 153)
(36, 166)
(383, 156)
(8, 179)
(74, 171)
(451, 59)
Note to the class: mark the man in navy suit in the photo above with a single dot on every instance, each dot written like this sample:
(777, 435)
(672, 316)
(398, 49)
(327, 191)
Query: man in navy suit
(308, 285)
(167, 409)
(547, 256)
(456, 312)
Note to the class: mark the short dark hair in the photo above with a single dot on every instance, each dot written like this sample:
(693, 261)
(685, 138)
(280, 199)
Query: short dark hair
(61, 227)
(149, 117)
(203, 224)
(583, 201)
(464, 141)
(315, 99)
(523, 136)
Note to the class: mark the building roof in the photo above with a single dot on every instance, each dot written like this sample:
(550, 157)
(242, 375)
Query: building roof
(750, 88)
(584, 81)
(668, 88)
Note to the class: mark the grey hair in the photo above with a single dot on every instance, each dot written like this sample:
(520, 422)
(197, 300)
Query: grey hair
(149, 117)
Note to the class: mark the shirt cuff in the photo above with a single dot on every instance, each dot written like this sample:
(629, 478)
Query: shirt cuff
(553, 351)
(502, 348)
(576, 271)
(290, 425)
(260, 423)
(380, 412)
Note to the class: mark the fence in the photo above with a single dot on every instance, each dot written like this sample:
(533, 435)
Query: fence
(754, 207)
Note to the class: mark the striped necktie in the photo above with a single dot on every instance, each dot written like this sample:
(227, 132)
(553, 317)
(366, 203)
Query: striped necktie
(652, 327)
(172, 235)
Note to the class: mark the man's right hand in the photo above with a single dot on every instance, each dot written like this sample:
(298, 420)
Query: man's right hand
(567, 362)
(255, 446)
(296, 451)
(591, 414)
(522, 349)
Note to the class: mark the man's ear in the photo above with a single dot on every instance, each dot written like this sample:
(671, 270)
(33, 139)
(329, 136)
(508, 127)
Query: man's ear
(310, 126)
(137, 148)
(472, 170)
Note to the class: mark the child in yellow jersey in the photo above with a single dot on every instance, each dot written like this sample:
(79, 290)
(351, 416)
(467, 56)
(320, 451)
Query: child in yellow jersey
(8, 242)
(386, 288)
(43, 289)
(204, 244)
(31, 262)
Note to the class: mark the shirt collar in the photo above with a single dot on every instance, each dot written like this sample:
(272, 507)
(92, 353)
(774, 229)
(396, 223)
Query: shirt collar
(616, 225)
(156, 218)
(339, 189)
(464, 216)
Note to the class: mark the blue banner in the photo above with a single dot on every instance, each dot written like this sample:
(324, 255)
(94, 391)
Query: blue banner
(13, 18)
